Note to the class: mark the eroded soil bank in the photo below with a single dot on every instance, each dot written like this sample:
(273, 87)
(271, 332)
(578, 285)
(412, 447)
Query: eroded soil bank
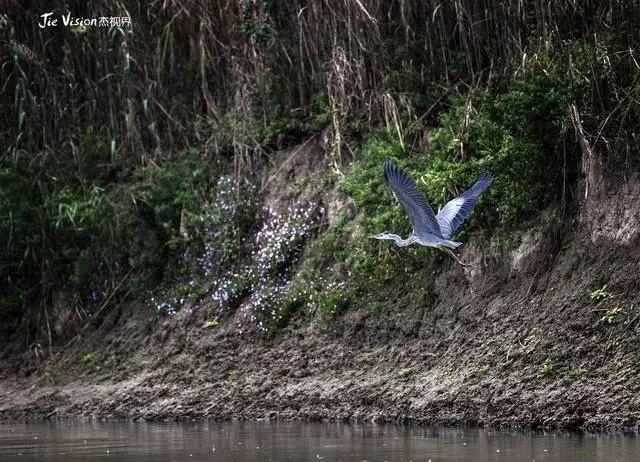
(528, 336)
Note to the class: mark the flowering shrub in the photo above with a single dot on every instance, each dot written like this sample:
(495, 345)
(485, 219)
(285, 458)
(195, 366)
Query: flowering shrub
(223, 223)
(265, 278)
(217, 234)
(230, 290)
(257, 276)
(167, 302)
(266, 308)
(279, 238)
(278, 242)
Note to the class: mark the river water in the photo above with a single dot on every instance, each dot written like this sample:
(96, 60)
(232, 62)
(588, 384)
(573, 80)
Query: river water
(76, 440)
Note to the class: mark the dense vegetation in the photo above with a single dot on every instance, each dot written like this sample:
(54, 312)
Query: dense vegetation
(131, 156)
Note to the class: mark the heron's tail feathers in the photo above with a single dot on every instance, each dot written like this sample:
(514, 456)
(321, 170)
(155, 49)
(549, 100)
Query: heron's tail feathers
(451, 244)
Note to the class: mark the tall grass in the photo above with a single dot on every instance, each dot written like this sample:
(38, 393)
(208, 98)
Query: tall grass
(186, 67)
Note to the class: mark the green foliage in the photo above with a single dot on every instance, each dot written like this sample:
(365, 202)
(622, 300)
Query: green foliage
(255, 20)
(154, 207)
(365, 183)
(320, 109)
(612, 344)
(280, 131)
(132, 365)
(576, 373)
(546, 368)
(50, 218)
(513, 130)
(610, 315)
(599, 294)
(326, 300)
(512, 133)
(82, 233)
(377, 307)
(505, 239)
(321, 300)
(169, 297)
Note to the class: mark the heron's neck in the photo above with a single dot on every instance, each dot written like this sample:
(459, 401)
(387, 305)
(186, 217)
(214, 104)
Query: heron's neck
(403, 242)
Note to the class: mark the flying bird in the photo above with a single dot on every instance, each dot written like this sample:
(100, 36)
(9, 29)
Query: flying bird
(429, 229)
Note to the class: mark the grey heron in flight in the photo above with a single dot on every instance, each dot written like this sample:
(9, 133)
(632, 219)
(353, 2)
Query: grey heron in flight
(429, 229)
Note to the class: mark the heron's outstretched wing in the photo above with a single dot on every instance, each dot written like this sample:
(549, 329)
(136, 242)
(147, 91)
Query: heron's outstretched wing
(412, 200)
(457, 210)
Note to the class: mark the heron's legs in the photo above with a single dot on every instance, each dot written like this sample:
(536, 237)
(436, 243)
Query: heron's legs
(454, 256)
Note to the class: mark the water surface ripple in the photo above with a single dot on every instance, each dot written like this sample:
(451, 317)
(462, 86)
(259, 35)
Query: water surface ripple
(76, 440)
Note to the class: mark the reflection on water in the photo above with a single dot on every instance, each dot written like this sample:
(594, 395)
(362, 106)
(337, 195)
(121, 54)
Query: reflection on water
(293, 441)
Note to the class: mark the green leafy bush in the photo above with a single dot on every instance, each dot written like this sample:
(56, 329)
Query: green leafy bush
(513, 130)
(515, 135)
(68, 227)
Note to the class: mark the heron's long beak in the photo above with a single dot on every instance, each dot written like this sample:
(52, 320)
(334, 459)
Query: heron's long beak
(374, 236)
